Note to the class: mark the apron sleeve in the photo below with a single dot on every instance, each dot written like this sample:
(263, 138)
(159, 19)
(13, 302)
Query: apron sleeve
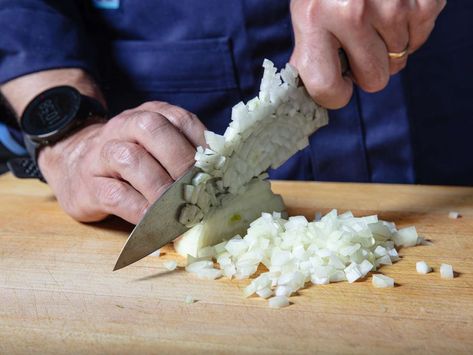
(40, 35)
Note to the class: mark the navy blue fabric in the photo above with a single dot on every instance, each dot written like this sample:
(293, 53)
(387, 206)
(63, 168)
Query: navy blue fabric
(206, 56)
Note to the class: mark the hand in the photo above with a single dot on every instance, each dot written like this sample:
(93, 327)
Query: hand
(124, 165)
(367, 30)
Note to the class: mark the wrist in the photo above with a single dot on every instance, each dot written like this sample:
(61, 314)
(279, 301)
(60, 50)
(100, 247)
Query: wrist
(21, 91)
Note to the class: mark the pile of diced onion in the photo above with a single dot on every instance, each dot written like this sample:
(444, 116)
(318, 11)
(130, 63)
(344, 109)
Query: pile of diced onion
(263, 133)
(296, 252)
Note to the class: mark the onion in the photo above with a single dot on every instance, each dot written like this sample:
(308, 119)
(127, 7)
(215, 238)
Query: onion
(278, 302)
(353, 273)
(156, 253)
(170, 265)
(264, 133)
(233, 217)
(382, 281)
(228, 195)
(453, 215)
(189, 299)
(406, 237)
(265, 292)
(423, 268)
(446, 272)
(296, 252)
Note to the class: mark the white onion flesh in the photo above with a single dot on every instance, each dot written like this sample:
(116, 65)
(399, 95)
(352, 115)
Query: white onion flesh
(297, 252)
(423, 268)
(156, 253)
(170, 265)
(189, 299)
(446, 272)
(233, 217)
(278, 302)
(453, 215)
(382, 281)
(229, 194)
(264, 133)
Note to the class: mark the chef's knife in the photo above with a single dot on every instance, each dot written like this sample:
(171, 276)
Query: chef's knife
(161, 225)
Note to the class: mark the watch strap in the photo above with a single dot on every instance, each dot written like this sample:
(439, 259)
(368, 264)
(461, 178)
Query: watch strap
(25, 168)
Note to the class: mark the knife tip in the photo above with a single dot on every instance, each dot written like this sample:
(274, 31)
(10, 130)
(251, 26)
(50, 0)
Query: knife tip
(119, 265)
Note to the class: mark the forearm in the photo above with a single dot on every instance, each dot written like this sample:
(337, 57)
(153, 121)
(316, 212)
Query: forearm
(20, 91)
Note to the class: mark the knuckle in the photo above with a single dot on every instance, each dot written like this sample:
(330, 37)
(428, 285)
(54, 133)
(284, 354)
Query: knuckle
(323, 86)
(329, 93)
(394, 20)
(427, 11)
(354, 13)
(111, 194)
(115, 122)
(184, 119)
(125, 154)
(149, 122)
(153, 105)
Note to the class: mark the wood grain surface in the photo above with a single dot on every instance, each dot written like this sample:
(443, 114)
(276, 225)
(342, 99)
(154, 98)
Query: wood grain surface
(58, 293)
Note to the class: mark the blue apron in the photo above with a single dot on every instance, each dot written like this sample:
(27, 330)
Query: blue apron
(206, 56)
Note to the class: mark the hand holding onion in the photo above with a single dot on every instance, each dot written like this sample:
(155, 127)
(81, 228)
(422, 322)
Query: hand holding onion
(367, 30)
(123, 166)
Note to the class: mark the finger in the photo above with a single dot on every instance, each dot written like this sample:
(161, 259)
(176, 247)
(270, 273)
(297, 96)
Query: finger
(392, 25)
(319, 67)
(422, 21)
(160, 138)
(368, 58)
(132, 163)
(185, 121)
(118, 198)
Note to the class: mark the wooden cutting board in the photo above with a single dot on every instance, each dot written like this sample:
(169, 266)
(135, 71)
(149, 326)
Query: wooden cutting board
(58, 293)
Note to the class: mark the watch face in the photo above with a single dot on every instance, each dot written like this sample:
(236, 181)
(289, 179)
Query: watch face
(50, 112)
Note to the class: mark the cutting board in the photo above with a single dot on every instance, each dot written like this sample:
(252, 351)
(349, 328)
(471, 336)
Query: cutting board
(58, 293)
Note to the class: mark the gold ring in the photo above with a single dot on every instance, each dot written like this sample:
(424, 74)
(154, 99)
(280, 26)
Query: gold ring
(399, 55)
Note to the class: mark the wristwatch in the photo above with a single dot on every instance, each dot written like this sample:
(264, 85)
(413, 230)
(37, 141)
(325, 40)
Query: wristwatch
(49, 117)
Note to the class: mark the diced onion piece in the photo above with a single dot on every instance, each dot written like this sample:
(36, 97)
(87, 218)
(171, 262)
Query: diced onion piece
(278, 302)
(191, 259)
(423, 268)
(265, 292)
(380, 251)
(170, 264)
(208, 274)
(189, 299)
(236, 246)
(384, 260)
(232, 218)
(295, 251)
(454, 215)
(156, 253)
(206, 252)
(406, 237)
(263, 133)
(199, 265)
(316, 280)
(352, 272)
(283, 290)
(365, 267)
(446, 272)
(382, 281)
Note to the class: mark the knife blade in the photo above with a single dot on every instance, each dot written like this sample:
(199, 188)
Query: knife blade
(159, 226)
